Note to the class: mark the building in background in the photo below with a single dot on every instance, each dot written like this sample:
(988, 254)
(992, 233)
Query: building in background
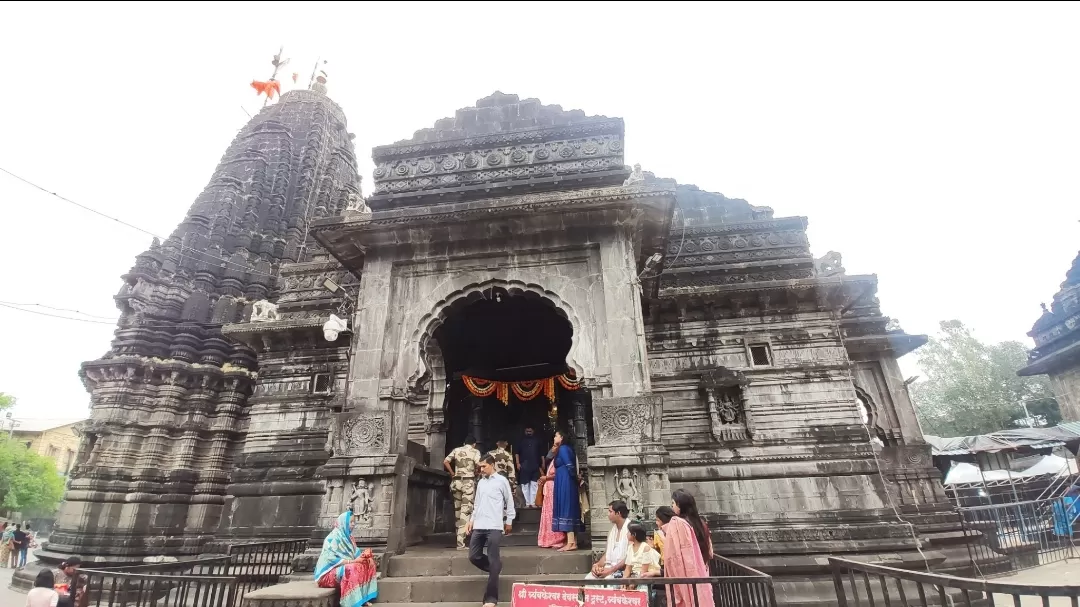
(53, 437)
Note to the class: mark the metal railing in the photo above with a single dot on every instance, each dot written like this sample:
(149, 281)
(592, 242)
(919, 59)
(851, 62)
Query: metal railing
(261, 564)
(733, 585)
(1027, 534)
(111, 588)
(858, 584)
(217, 581)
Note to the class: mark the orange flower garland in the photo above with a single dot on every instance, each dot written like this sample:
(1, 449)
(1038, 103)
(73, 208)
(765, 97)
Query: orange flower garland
(480, 387)
(524, 390)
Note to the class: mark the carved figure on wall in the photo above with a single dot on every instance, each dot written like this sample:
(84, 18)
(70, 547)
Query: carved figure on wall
(360, 502)
(627, 489)
(356, 203)
(263, 311)
(636, 177)
(831, 264)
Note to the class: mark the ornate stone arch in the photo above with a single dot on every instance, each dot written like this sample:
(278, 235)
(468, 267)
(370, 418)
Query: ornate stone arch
(425, 361)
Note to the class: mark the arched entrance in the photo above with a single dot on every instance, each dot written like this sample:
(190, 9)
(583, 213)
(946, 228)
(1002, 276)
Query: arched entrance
(508, 336)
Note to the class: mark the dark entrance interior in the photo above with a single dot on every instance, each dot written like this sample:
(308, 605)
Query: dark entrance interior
(507, 336)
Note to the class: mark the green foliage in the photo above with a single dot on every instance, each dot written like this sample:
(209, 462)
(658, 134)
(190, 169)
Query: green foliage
(29, 483)
(972, 387)
(7, 401)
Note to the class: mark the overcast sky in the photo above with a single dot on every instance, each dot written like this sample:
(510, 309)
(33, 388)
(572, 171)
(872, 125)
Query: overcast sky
(935, 145)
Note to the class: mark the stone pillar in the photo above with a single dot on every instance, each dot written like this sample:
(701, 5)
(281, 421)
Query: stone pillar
(627, 445)
(625, 350)
(476, 420)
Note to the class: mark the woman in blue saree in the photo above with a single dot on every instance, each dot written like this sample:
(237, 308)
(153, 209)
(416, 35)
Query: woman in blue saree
(567, 511)
(344, 566)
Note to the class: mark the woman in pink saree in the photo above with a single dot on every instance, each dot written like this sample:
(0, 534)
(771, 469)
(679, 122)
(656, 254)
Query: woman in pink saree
(687, 551)
(548, 537)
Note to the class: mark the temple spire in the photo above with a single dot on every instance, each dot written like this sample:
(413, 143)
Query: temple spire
(317, 83)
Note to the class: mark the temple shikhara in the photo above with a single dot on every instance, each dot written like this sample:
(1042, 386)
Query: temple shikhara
(295, 349)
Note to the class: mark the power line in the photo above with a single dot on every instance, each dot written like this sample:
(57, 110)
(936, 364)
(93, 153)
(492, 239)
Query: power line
(99, 322)
(132, 226)
(12, 303)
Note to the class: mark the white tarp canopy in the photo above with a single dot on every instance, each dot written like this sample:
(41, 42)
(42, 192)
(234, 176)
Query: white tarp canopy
(963, 472)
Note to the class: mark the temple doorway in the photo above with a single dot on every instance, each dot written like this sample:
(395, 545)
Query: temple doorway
(505, 360)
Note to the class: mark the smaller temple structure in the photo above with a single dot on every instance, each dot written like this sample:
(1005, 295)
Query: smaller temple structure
(1057, 345)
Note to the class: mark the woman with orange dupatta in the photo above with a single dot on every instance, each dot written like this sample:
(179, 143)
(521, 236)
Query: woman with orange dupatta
(687, 551)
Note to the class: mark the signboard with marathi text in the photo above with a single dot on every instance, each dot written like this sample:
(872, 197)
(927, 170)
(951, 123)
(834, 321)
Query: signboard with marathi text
(605, 597)
(539, 595)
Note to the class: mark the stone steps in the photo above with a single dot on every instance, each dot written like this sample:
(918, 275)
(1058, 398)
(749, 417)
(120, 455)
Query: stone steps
(456, 589)
(428, 562)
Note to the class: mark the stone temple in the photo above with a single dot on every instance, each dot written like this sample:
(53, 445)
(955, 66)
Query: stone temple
(695, 340)
(1057, 345)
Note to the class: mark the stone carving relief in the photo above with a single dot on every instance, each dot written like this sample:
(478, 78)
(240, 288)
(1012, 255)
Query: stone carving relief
(263, 311)
(829, 265)
(362, 434)
(623, 422)
(362, 502)
(628, 489)
(637, 177)
(356, 203)
(726, 400)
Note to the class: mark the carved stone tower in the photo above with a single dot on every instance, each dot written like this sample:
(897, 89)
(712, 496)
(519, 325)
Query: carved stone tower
(170, 399)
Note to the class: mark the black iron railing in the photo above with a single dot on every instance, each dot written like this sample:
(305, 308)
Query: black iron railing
(261, 564)
(1025, 534)
(111, 588)
(858, 584)
(733, 585)
(218, 581)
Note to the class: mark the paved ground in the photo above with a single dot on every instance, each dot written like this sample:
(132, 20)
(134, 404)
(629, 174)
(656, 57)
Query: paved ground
(9, 598)
(1061, 572)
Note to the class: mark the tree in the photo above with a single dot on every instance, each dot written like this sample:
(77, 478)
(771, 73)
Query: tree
(29, 483)
(972, 387)
(7, 401)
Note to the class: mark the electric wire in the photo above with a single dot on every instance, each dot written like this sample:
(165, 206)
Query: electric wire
(137, 228)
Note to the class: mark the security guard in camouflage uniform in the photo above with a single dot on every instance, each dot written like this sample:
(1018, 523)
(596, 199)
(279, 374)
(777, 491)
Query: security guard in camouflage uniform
(504, 465)
(461, 464)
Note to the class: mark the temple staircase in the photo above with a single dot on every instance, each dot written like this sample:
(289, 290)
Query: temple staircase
(437, 573)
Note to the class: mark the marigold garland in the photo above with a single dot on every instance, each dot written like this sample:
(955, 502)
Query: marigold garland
(568, 381)
(527, 390)
(480, 387)
(524, 390)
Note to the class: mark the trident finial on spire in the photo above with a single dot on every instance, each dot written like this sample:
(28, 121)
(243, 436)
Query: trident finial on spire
(318, 77)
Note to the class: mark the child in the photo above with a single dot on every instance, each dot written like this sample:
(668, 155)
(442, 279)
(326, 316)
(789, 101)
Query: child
(641, 560)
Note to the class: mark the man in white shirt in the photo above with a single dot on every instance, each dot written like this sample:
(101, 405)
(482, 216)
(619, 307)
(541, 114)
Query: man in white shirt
(614, 560)
(493, 514)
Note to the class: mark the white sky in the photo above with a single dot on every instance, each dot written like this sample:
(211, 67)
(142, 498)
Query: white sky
(935, 145)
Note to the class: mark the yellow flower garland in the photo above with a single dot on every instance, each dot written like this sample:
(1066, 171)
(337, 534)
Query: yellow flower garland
(524, 390)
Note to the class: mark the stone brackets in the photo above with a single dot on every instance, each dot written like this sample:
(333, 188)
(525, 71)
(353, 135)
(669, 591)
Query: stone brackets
(632, 420)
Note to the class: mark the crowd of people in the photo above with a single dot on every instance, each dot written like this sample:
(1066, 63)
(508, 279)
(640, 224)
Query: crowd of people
(15, 543)
(487, 490)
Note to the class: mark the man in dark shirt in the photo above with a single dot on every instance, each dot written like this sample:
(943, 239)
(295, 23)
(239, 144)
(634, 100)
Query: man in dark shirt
(529, 458)
(18, 545)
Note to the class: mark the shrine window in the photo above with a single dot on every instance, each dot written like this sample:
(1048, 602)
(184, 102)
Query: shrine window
(760, 355)
(320, 383)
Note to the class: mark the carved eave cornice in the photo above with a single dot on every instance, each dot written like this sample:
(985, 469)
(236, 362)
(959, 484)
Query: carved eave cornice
(284, 333)
(124, 368)
(1053, 357)
(897, 344)
(836, 293)
(349, 238)
(593, 126)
